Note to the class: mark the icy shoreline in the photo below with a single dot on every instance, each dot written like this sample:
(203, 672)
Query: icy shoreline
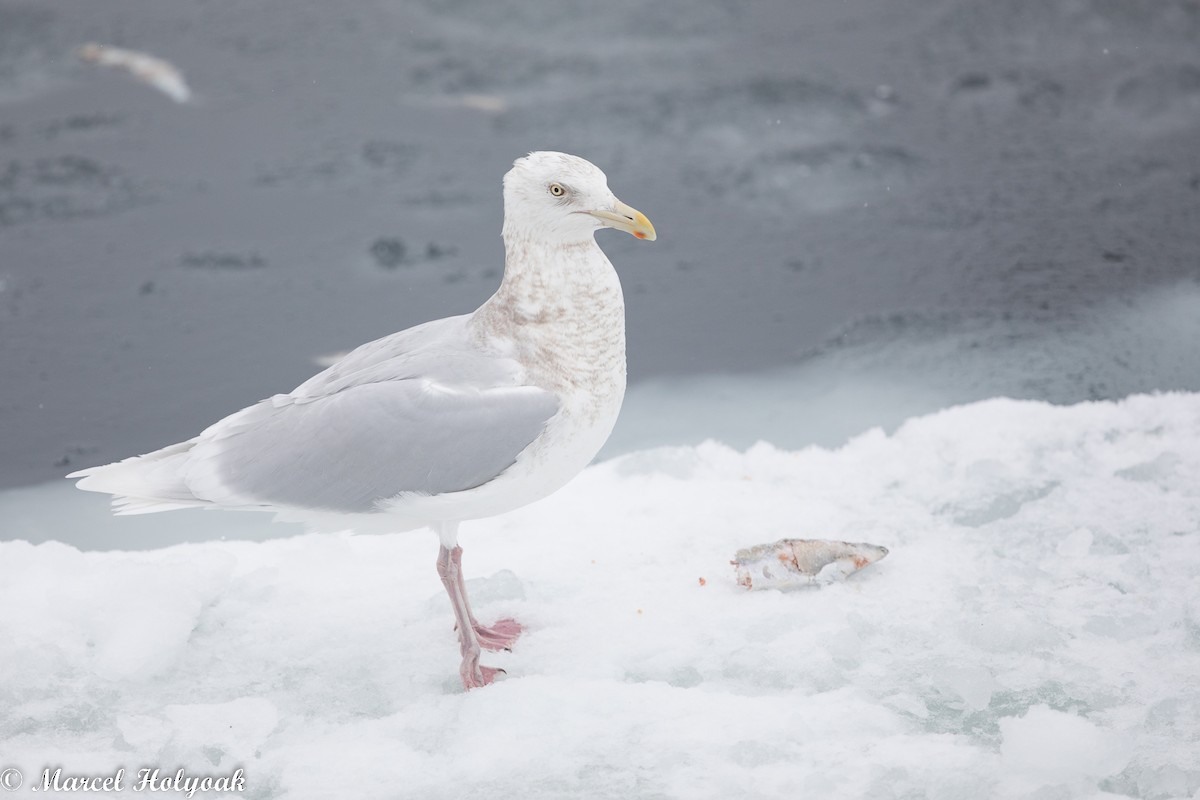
(1035, 631)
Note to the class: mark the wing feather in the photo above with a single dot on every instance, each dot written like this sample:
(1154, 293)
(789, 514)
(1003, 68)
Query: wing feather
(353, 449)
(427, 410)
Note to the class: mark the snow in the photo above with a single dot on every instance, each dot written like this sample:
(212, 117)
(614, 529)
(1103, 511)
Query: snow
(1034, 632)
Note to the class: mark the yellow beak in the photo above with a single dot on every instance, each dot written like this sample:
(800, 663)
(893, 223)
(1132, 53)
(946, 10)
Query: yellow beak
(628, 219)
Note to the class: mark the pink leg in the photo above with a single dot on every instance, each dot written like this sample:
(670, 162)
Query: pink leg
(499, 636)
(473, 674)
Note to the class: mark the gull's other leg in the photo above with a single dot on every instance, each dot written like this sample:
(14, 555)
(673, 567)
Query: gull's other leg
(499, 636)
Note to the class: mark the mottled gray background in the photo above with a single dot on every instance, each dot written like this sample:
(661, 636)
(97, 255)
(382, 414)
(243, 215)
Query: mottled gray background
(994, 196)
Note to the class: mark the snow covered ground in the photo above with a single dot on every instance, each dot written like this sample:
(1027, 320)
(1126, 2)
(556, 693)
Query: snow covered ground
(1035, 631)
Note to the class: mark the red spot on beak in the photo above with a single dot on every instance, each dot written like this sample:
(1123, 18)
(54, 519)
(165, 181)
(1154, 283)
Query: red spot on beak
(639, 234)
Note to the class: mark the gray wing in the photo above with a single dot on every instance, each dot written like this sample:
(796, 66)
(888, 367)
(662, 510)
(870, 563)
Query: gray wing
(363, 444)
(423, 410)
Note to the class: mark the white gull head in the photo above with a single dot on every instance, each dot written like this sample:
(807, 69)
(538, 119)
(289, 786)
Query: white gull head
(562, 198)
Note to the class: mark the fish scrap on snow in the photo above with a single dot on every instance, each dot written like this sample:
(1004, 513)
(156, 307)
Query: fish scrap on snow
(802, 562)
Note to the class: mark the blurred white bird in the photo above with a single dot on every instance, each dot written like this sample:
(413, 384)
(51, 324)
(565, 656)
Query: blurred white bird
(148, 69)
(455, 419)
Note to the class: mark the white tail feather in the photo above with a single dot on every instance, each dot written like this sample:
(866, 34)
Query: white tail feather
(125, 506)
(144, 484)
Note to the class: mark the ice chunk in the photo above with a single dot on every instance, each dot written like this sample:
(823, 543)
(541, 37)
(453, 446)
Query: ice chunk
(971, 682)
(1076, 544)
(1048, 746)
(498, 587)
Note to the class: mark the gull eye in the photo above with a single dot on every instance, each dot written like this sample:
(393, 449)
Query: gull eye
(557, 189)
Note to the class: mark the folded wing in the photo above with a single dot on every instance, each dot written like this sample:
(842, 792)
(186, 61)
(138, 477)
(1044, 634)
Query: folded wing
(424, 411)
(351, 450)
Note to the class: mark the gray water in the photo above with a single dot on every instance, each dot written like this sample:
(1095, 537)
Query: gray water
(962, 197)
